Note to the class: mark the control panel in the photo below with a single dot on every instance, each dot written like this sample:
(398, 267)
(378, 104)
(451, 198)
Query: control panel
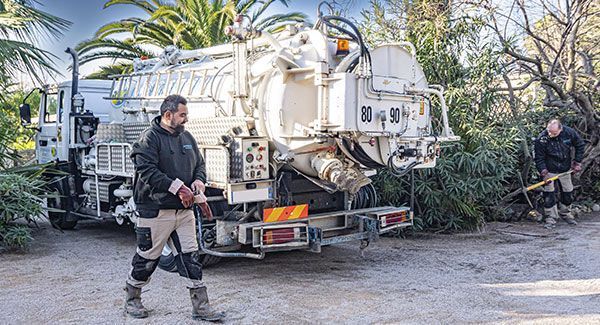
(251, 159)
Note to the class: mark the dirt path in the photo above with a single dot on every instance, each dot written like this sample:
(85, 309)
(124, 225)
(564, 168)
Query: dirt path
(499, 276)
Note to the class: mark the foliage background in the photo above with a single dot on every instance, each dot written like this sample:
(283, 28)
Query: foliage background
(22, 188)
(457, 49)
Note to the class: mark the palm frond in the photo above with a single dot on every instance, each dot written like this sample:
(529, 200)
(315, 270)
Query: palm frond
(188, 24)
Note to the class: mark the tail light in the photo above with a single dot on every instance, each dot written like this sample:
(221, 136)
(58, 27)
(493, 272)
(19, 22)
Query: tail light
(280, 236)
(394, 218)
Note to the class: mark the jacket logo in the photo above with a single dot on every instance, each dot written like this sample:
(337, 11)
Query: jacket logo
(187, 147)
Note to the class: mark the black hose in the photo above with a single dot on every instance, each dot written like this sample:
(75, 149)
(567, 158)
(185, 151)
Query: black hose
(357, 35)
(399, 172)
(353, 64)
(360, 155)
(342, 30)
(366, 197)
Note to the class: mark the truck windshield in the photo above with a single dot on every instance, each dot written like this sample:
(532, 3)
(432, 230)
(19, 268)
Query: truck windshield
(50, 107)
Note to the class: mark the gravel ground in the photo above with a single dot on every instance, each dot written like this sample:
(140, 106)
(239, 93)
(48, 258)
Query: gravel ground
(510, 273)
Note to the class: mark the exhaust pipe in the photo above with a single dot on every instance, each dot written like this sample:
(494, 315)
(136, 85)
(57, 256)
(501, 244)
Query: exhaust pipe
(74, 78)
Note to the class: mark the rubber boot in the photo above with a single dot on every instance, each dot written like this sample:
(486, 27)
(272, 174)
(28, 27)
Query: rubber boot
(566, 215)
(551, 216)
(133, 302)
(201, 309)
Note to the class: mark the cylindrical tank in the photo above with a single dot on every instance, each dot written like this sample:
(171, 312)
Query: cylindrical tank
(308, 97)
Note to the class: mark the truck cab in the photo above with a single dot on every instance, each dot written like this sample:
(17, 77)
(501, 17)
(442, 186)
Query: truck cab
(64, 132)
(53, 139)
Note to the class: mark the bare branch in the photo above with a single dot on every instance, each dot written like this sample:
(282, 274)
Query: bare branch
(519, 88)
(530, 32)
(552, 14)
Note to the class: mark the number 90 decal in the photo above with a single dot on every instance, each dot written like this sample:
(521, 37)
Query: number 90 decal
(395, 115)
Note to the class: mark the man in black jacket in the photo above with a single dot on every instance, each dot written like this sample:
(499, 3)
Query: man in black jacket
(553, 156)
(168, 169)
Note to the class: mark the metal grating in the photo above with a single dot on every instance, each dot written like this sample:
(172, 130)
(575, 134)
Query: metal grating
(111, 157)
(102, 159)
(103, 188)
(208, 131)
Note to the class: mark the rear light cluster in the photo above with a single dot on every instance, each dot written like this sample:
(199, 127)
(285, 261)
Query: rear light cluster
(394, 218)
(284, 235)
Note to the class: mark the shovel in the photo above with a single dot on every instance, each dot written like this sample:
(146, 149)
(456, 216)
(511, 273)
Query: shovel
(524, 190)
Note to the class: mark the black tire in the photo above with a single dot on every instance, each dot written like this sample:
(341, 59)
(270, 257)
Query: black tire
(167, 262)
(209, 260)
(61, 220)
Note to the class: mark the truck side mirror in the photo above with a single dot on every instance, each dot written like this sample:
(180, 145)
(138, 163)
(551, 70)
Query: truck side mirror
(25, 113)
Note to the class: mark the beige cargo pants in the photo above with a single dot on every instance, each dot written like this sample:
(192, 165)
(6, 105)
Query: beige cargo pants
(564, 210)
(176, 228)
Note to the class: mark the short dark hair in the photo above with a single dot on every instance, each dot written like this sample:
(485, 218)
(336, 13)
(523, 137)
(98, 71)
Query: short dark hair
(171, 104)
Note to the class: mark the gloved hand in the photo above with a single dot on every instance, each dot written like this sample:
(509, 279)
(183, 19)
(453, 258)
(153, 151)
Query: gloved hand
(576, 167)
(206, 211)
(198, 186)
(200, 198)
(186, 196)
(544, 173)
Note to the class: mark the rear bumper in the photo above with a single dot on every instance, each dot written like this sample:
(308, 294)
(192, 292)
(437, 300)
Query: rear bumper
(324, 229)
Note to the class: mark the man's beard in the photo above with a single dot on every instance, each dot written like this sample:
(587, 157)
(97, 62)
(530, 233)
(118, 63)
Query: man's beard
(177, 128)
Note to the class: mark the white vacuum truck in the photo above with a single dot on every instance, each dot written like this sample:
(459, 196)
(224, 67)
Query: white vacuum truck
(291, 126)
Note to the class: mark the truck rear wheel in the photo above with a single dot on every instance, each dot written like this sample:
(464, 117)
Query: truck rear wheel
(60, 201)
(167, 261)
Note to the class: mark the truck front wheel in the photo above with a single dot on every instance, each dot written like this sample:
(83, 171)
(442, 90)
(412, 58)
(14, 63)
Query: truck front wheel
(60, 201)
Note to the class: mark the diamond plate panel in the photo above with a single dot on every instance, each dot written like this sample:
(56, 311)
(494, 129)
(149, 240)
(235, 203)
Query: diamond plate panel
(110, 133)
(134, 129)
(217, 164)
(208, 131)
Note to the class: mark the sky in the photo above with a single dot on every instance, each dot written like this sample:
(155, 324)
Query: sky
(87, 16)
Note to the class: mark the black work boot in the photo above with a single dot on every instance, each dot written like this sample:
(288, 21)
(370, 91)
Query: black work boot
(133, 302)
(201, 309)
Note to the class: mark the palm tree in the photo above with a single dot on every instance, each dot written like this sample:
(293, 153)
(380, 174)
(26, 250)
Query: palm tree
(187, 24)
(21, 25)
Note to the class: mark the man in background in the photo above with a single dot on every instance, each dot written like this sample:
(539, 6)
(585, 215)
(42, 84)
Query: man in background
(553, 155)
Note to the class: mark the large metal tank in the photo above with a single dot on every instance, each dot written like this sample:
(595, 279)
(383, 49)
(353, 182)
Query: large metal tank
(331, 108)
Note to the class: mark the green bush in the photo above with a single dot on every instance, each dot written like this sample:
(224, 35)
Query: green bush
(15, 236)
(22, 191)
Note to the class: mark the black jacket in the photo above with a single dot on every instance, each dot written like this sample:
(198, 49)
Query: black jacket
(554, 154)
(159, 158)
